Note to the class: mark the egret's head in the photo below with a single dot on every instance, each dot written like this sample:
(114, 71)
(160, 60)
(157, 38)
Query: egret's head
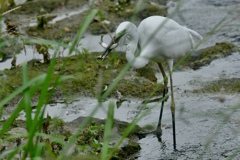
(120, 33)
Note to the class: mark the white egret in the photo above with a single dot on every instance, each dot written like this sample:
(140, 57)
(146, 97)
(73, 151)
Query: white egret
(158, 39)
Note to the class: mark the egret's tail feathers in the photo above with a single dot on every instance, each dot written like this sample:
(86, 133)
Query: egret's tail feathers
(195, 37)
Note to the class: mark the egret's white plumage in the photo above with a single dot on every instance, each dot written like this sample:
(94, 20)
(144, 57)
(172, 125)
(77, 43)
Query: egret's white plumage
(159, 39)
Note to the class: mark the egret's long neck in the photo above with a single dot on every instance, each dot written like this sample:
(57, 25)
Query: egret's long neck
(132, 46)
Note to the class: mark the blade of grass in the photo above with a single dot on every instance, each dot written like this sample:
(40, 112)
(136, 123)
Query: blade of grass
(116, 81)
(136, 10)
(72, 139)
(45, 42)
(37, 118)
(82, 30)
(107, 130)
(26, 97)
(39, 81)
(44, 98)
(22, 104)
(51, 137)
(130, 128)
(65, 151)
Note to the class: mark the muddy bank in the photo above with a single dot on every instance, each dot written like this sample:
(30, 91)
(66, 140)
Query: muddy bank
(89, 139)
(42, 13)
(90, 76)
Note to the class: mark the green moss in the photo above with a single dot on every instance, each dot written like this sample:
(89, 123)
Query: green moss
(207, 55)
(90, 134)
(221, 86)
(147, 72)
(140, 90)
(128, 150)
(150, 10)
(47, 33)
(149, 127)
(121, 126)
(219, 49)
(56, 124)
(92, 137)
(122, 10)
(87, 72)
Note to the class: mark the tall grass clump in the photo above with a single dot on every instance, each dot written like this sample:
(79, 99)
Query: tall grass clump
(33, 147)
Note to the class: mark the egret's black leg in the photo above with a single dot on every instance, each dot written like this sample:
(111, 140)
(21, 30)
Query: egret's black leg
(159, 126)
(165, 90)
(172, 107)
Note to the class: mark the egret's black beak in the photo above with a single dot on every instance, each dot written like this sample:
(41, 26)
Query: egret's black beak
(113, 44)
(109, 48)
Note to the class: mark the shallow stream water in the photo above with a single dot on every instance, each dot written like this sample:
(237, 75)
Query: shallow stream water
(201, 117)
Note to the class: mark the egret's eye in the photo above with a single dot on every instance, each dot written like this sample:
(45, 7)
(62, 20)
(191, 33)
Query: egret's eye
(127, 40)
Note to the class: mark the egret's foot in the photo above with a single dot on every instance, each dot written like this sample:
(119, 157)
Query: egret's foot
(155, 100)
(159, 133)
(175, 150)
